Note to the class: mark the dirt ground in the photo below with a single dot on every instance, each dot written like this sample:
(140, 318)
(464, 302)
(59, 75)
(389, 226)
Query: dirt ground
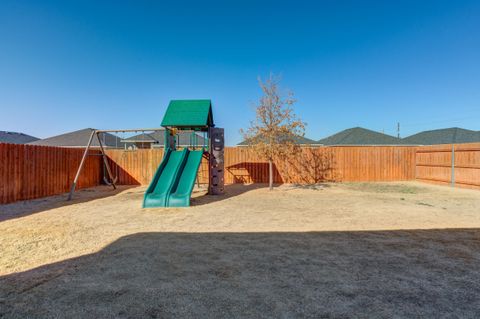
(363, 250)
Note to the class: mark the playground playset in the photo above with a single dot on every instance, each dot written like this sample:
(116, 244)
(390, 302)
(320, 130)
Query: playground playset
(175, 177)
(173, 182)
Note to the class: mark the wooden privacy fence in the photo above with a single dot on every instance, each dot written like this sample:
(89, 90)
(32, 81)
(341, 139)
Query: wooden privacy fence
(310, 165)
(313, 165)
(456, 165)
(30, 171)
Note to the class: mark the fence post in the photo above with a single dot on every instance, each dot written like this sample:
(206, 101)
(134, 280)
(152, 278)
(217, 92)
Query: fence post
(453, 166)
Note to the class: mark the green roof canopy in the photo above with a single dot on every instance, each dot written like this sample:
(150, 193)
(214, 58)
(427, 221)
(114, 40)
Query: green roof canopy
(188, 114)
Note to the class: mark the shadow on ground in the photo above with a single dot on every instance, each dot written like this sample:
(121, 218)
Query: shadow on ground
(231, 190)
(33, 206)
(314, 187)
(417, 273)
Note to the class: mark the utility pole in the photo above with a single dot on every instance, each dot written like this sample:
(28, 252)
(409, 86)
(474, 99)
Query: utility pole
(398, 130)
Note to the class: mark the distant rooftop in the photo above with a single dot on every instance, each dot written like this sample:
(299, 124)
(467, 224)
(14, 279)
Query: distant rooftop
(80, 139)
(158, 138)
(16, 137)
(360, 136)
(443, 136)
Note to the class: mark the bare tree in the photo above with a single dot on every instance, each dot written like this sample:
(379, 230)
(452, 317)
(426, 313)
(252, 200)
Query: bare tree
(275, 129)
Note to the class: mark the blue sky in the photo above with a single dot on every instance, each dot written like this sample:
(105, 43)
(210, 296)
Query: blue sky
(67, 65)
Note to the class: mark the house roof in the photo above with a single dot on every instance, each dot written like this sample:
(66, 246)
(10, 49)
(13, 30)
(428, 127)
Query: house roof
(444, 136)
(360, 136)
(80, 139)
(301, 140)
(16, 137)
(158, 137)
(188, 114)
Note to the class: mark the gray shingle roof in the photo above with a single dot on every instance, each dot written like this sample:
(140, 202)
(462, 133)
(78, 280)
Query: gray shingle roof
(443, 136)
(80, 139)
(360, 136)
(16, 138)
(158, 138)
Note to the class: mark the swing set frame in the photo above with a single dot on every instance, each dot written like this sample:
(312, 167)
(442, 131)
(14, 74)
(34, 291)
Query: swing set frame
(96, 133)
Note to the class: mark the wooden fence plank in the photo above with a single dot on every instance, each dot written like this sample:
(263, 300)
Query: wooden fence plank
(3, 167)
(434, 164)
(30, 171)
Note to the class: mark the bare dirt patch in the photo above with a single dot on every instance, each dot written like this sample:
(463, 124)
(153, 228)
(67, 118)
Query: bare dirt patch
(331, 250)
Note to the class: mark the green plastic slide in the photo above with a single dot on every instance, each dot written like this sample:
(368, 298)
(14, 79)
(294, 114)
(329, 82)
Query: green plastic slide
(173, 182)
(180, 195)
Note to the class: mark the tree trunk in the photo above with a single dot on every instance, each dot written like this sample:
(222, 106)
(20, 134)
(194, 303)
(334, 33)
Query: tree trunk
(270, 174)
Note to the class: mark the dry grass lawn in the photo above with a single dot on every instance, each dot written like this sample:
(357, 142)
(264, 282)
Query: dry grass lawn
(378, 250)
